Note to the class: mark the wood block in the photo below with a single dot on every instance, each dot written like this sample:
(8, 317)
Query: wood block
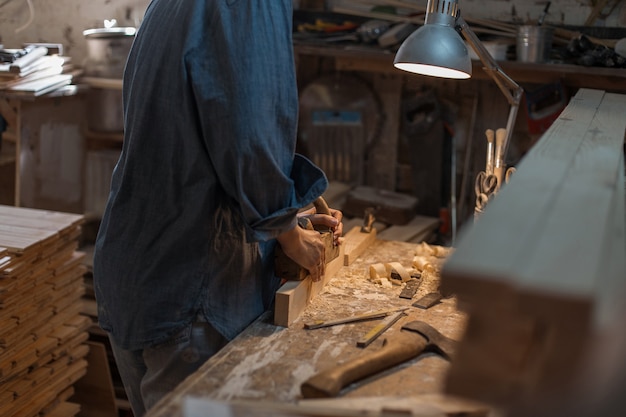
(355, 242)
(540, 273)
(293, 297)
(56, 403)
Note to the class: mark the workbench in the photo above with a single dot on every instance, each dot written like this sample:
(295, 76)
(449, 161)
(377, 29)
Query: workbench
(266, 364)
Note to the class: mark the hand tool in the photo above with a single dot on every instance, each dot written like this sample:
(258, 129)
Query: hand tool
(498, 169)
(489, 160)
(415, 338)
(411, 287)
(287, 268)
(368, 220)
(379, 329)
(543, 14)
(484, 187)
(428, 300)
(361, 317)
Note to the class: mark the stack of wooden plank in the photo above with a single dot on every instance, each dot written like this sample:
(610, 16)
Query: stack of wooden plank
(42, 333)
(541, 272)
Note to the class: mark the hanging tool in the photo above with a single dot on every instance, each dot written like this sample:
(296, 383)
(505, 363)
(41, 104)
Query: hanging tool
(490, 134)
(498, 168)
(413, 339)
(543, 14)
(484, 187)
(352, 319)
(486, 182)
(287, 268)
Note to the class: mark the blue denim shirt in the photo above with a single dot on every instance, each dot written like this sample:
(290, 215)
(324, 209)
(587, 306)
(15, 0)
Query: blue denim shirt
(208, 174)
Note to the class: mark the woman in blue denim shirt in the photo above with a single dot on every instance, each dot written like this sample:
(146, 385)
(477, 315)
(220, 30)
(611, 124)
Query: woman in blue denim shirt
(207, 182)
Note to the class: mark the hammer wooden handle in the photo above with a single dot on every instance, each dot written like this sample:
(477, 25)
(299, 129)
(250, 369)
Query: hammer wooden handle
(399, 349)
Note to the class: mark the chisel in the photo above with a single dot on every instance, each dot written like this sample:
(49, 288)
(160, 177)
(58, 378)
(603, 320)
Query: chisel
(361, 317)
(379, 329)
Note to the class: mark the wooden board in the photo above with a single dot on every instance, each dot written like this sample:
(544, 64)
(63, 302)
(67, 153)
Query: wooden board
(293, 297)
(415, 406)
(42, 333)
(356, 242)
(543, 268)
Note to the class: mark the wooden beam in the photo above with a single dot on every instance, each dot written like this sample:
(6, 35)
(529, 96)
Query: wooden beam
(293, 297)
(541, 271)
(355, 243)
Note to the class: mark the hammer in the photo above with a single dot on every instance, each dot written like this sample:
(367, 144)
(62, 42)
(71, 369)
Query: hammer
(415, 338)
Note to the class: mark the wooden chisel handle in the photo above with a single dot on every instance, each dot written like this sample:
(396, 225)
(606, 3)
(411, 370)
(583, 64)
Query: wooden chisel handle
(490, 134)
(499, 154)
(321, 207)
(401, 348)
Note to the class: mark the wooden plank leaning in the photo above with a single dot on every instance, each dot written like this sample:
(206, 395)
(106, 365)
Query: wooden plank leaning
(541, 272)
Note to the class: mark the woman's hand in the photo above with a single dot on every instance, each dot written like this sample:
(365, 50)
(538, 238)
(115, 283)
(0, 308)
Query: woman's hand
(332, 222)
(306, 248)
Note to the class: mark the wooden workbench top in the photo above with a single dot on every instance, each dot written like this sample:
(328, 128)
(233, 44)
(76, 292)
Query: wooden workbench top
(267, 363)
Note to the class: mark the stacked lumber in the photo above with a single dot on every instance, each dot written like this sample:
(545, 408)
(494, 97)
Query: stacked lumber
(541, 272)
(42, 333)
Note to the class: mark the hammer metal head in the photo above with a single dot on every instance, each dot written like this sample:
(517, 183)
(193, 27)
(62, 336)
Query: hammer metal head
(435, 340)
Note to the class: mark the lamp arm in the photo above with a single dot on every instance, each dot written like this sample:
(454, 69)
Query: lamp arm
(511, 90)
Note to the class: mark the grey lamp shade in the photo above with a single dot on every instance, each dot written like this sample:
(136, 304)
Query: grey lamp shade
(435, 50)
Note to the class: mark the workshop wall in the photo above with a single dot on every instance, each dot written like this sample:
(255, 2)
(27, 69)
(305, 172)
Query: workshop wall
(561, 12)
(63, 21)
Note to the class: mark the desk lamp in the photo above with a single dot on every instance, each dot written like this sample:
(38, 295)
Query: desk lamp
(437, 49)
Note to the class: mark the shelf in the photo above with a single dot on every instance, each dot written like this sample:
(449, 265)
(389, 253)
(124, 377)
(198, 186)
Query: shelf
(372, 59)
(105, 136)
(106, 83)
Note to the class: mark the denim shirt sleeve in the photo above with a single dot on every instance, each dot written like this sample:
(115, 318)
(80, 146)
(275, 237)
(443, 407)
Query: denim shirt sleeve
(249, 114)
(309, 182)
